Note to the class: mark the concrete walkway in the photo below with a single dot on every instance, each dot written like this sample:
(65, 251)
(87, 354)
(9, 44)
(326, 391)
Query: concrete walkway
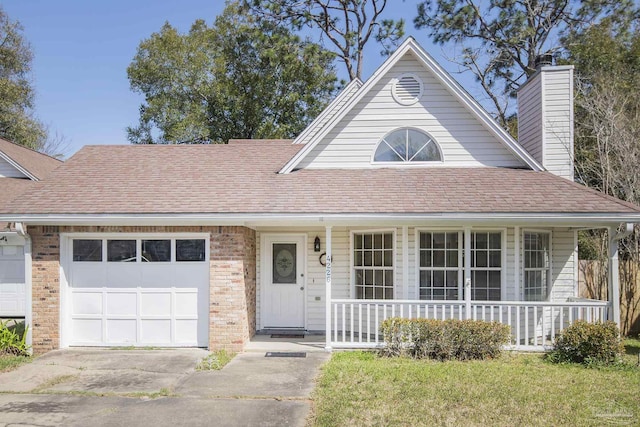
(102, 387)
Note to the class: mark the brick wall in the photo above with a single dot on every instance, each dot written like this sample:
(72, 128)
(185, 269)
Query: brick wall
(232, 288)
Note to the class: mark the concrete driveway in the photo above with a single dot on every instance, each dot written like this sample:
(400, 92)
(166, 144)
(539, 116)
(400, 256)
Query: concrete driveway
(102, 387)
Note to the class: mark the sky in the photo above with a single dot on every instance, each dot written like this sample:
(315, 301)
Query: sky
(82, 49)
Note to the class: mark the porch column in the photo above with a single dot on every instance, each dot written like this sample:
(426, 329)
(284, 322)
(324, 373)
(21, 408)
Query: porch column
(467, 272)
(327, 297)
(614, 277)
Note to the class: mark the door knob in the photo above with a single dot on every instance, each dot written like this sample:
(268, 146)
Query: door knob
(301, 288)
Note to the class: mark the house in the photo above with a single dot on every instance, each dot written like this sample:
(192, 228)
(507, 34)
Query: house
(403, 198)
(20, 170)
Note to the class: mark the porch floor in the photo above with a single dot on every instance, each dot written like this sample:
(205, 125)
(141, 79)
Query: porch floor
(311, 343)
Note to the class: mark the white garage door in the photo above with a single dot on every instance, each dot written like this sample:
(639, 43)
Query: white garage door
(144, 291)
(12, 287)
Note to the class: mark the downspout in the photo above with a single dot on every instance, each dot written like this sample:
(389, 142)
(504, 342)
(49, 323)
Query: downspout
(614, 272)
(21, 228)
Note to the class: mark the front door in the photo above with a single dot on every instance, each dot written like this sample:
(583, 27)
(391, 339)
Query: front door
(284, 281)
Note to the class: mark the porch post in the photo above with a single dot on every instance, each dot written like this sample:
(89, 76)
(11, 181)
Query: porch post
(614, 277)
(467, 272)
(327, 329)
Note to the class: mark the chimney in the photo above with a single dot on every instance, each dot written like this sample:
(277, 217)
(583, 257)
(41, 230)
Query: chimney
(545, 116)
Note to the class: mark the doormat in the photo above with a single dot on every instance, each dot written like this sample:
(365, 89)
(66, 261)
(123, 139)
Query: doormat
(296, 336)
(285, 354)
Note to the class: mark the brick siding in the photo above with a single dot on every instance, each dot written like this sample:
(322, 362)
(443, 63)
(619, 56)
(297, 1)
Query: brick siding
(232, 282)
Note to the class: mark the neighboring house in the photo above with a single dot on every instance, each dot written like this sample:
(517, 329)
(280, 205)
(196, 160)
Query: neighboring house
(20, 170)
(403, 198)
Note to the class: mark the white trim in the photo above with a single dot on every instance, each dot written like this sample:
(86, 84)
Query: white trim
(418, 268)
(516, 264)
(266, 239)
(576, 265)
(410, 45)
(405, 262)
(550, 276)
(344, 93)
(352, 272)
(18, 167)
(394, 90)
(28, 283)
(405, 163)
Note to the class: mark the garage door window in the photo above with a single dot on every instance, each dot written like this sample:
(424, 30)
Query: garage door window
(121, 250)
(87, 250)
(156, 250)
(190, 250)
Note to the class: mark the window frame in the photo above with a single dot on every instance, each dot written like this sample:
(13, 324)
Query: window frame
(503, 257)
(460, 268)
(352, 268)
(523, 269)
(407, 163)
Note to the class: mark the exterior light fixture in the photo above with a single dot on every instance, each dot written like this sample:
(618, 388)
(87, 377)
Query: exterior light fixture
(316, 244)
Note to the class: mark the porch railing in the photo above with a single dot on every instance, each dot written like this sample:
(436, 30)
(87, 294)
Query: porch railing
(534, 325)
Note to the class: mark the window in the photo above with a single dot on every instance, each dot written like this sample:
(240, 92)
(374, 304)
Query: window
(87, 250)
(440, 265)
(407, 145)
(156, 251)
(121, 251)
(537, 265)
(373, 265)
(486, 266)
(190, 250)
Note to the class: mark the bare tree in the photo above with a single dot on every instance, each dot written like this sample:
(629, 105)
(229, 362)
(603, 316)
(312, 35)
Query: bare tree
(349, 25)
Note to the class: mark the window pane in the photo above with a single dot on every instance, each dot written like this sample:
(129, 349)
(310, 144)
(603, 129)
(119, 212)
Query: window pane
(368, 241)
(438, 258)
(438, 240)
(378, 279)
(357, 258)
(384, 153)
(368, 258)
(377, 258)
(388, 293)
(388, 278)
(121, 250)
(425, 279)
(452, 258)
(452, 279)
(156, 251)
(359, 278)
(377, 241)
(495, 258)
(359, 292)
(284, 263)
(481, 240)
(368, 292)
(368, 277)
(388, 241)
(425, 240)
(87, 250)
(481, 259)
(452, 241)
(398, 141)
(438, 279)
(379, 293)
(494, 279)
(425, 258)
(190, 250)
(357, 241)
(495, 241)
(388, 258)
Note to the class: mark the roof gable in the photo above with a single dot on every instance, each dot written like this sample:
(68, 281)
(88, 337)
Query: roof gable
(468, 110)
(29, 163)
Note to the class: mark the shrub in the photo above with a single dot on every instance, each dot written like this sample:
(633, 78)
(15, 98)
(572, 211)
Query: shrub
(588, 343)
(444, 339)
(13, 339)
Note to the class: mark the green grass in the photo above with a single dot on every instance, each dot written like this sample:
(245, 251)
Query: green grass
(359, 388)
(9, 362)
(215, 361)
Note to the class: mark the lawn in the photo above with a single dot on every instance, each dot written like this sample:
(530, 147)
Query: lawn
(359, 388)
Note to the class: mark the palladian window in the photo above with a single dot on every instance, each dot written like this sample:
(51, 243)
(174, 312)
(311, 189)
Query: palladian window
(407, 145)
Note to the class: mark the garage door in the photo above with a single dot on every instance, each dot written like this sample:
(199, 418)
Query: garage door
(148, 291)
(12, 287)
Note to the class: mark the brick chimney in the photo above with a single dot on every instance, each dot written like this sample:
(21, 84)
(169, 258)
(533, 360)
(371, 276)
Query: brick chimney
(545, 116)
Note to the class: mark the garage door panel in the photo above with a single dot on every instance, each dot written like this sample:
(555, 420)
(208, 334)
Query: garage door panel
(122, 303)
(88, 275)
(186, 331)
(187, 303)
(191, 275)
(86, 303)
(155, 331)
(122, 331)
(157, 275)
(123, 274)
(155, 304)
(87, 330)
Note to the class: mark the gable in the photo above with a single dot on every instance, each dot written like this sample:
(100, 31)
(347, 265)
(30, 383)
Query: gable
(7, 170)
(464, 140)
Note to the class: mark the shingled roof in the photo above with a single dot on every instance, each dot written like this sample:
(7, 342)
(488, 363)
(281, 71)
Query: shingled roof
(242, 178)
(36, 164)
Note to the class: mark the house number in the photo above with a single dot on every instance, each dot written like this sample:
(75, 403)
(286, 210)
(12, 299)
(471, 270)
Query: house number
(328, 261)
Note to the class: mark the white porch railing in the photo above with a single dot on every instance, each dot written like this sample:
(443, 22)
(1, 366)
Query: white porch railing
(534, 325)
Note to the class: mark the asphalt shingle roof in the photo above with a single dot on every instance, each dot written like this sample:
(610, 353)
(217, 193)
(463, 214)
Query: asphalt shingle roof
(242, 178)
(37, 164)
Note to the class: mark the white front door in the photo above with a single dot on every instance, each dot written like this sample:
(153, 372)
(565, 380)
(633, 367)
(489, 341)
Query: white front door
(283, 281)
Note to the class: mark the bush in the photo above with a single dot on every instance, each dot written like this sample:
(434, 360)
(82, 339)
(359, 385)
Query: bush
(444, 339)
(588, 343)
(13, 339)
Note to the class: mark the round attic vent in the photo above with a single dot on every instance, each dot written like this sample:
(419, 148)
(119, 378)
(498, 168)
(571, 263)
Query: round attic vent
(407, 89)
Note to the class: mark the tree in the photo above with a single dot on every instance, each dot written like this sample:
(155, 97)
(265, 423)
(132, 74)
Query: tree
(17, 121)
(349, 25)
(240, 78)
(499, 40)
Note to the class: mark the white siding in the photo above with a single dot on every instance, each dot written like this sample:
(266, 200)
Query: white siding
(545, 119)
(463, 139)
(9, 171)
(563, 250)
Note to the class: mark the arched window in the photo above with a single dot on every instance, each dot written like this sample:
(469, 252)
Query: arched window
(407, 145)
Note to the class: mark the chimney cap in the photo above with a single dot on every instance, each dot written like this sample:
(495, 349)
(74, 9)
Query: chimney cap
(543, 60)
